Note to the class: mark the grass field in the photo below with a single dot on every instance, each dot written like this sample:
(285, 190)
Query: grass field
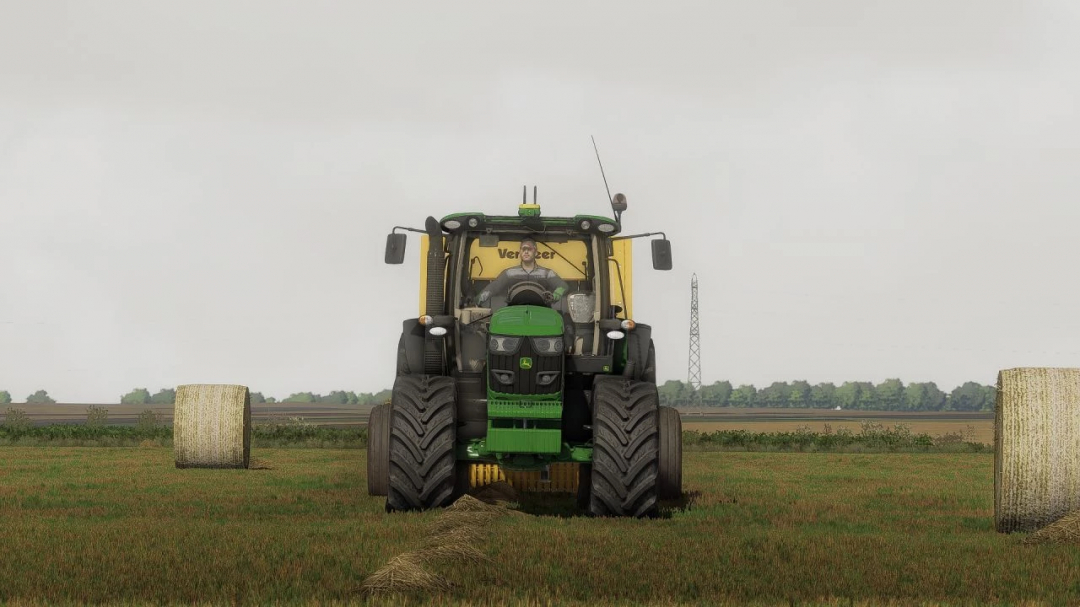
(979, 431)
(125, 526)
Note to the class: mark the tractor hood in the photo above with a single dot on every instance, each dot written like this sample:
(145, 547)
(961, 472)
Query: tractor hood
(529, 321)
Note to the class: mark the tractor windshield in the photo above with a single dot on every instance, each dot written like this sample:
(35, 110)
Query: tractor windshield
(559, 267)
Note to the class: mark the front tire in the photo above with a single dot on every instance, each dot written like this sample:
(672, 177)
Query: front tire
(626, 450)
(423, 428)
(670, 454)
(378, 450)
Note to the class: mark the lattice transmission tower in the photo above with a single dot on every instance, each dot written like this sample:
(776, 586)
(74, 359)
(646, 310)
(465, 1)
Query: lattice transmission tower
(694, 368)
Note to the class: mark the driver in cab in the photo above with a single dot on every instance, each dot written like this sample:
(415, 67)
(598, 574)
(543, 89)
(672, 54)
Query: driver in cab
(527, 271)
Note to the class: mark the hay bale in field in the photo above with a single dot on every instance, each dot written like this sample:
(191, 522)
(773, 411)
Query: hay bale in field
(1036, 447)
(212, 426)
(1065, 530)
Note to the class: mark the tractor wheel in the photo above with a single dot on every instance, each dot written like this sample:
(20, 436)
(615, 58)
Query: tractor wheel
(584, 488)
(670, 454)
(626, 449)
(649, 373)
(423, 430)
(378, 450)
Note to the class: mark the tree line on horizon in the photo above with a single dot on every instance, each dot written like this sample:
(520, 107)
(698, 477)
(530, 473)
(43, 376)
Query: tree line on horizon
(889, 395)
(167, 396)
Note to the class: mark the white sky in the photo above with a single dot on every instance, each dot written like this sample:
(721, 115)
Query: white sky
(199, 192)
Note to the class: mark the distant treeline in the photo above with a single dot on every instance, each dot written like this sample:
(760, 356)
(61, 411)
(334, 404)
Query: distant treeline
(167, 396)
(889, 395)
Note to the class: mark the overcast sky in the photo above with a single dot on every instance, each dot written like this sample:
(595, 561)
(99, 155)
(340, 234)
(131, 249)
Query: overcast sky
(199, 192)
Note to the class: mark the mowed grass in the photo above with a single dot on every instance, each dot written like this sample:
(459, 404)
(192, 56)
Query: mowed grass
(125, 526)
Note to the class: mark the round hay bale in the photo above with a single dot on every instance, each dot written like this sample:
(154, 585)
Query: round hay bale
(212, 426)
(1036, 447)
(1065, 530)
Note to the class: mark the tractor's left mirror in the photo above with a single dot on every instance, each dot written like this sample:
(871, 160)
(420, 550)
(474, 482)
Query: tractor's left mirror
(661, 254)
(395, 248)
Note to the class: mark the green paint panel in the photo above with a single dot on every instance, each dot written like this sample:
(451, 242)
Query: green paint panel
(524, 409)
(520, 440)
(529, 321)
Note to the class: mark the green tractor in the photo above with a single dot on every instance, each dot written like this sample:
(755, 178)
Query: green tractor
(503, 377)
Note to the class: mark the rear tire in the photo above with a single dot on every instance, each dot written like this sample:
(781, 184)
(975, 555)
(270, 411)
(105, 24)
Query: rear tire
(423, 428)
(378, 450)
(670, 454)
(626, 450)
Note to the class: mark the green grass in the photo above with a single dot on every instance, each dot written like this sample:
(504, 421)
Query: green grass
(123, 525)
(873, 438)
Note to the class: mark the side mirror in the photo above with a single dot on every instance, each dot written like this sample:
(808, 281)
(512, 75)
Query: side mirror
(661, 254)
(395, 248)
(618, 203)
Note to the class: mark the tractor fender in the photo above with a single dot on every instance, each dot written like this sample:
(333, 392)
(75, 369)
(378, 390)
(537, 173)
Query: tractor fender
(410, 358)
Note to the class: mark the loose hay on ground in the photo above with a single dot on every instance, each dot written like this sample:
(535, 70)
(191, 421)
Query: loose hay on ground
(453, 520)
(496, 492)
(468, 503)
(404, 573)
(212, 426)
(453, 552)
(455, 536)
(1065, 530)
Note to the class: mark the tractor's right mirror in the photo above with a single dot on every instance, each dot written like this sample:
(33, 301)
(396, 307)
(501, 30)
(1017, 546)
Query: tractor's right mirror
(395, 248)
(661, 254)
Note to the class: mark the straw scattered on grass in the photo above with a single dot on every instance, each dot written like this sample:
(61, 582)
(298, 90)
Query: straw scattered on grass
(1065, 530)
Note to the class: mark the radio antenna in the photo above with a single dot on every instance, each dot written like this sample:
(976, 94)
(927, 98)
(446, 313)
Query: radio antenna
(601, 168)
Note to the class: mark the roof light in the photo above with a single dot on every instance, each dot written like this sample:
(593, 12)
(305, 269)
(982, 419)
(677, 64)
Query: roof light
(585, 224)
(451, 224)
(473, 222)
(606, 227)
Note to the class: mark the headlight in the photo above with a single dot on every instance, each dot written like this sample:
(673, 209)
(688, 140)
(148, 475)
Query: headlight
(451, 224)
(581, 307)
(606, 227)
(547, 377)
(548, 345)
(504, 345)
(615, 334)
(504, 377)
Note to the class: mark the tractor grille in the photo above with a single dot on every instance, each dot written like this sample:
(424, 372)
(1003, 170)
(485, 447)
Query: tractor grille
(525, 379)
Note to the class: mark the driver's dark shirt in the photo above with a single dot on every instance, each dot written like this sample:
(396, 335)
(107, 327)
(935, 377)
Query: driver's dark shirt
(545, 276)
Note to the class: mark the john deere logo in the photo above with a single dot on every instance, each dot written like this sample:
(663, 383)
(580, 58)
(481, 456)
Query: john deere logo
(526, 362)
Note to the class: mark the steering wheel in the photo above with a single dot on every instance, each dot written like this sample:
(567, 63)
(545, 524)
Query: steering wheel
(529, 293)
